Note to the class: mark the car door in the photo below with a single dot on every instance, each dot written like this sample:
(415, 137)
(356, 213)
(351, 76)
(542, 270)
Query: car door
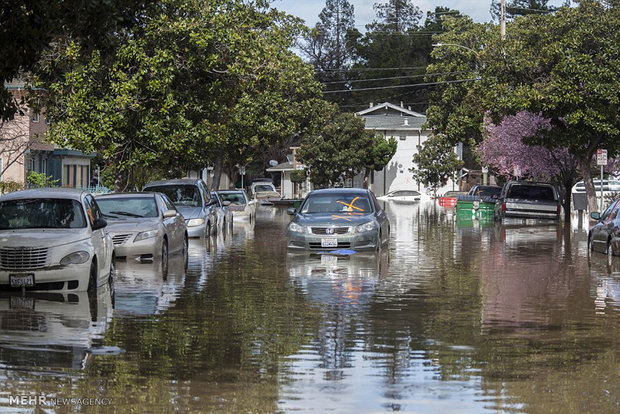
(173, 226)
(381, 218)
(600, 232)
(100, 239)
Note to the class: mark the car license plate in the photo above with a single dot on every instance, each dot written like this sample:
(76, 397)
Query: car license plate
(26, 280)
(329, 260)
(329, 242)
(18, 302)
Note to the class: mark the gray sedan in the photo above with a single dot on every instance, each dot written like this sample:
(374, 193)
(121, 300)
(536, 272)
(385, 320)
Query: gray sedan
(144, 225)
(339, 218)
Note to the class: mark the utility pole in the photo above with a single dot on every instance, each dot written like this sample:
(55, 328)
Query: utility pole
(503, 19)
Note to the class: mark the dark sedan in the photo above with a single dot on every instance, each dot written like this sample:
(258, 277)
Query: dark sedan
(339, 218)
(604, 236)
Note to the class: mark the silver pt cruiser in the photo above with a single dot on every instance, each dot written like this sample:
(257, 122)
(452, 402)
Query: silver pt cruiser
(338, 218)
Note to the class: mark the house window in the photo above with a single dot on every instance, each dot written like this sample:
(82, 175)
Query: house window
(403, 137)
(75, 175)
(35, 117)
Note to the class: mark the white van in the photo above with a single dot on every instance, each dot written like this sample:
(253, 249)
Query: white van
(609, 187)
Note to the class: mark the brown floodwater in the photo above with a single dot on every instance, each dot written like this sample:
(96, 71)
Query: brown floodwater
(454, 316)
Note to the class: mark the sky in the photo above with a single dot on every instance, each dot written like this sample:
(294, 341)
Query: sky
(364, 13)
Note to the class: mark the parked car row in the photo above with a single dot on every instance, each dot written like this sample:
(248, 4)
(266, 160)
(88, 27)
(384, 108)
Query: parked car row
(59, 239)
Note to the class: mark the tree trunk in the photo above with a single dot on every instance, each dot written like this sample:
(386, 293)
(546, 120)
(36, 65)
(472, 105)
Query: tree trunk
(566, 202)
(584, 166)
(217, 171)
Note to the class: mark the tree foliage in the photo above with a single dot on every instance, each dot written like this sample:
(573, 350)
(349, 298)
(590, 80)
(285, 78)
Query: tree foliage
(199, 83)
(436, 162)
(342, 149)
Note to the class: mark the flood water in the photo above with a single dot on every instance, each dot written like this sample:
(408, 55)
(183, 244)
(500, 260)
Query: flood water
(452, 317)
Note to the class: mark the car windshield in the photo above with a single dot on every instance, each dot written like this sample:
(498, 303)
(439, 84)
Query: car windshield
(336, 203)
(405, 193)
(234, 198)
(264, 187)
(41, 213)
(125, 207)
(181, 195)
(532, 192)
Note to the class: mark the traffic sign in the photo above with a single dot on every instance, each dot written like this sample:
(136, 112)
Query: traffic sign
(601, 157)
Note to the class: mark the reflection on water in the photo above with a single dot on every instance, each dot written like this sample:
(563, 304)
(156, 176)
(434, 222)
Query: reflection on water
(453, 316)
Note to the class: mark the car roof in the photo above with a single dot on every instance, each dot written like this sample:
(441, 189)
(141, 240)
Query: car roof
(70, 193)
(360, 191)
(133, 194)
(176, 181)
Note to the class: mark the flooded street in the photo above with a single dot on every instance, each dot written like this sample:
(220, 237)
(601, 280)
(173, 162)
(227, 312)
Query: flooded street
(452, 317)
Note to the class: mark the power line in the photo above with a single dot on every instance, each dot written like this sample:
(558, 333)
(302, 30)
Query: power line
(370, 69)
(394, 77)
(401, 86)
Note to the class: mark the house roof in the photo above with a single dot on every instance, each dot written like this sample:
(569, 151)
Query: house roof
(387, 116)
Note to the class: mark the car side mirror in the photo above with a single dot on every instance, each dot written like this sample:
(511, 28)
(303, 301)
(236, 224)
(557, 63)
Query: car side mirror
(595, 215)
(99, 224)
(226, 203)
(212, 202)
(290, 211)
(170, 213)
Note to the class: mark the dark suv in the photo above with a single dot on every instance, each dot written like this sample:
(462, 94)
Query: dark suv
(525, 199)
(191, 197)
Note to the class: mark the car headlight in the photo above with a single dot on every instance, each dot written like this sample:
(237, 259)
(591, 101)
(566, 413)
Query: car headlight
(75, 258)
(195, 222)
(370, 226)
(145, 235)
(296, 228)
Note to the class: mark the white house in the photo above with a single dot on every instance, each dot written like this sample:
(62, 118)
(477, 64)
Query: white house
(406, 127)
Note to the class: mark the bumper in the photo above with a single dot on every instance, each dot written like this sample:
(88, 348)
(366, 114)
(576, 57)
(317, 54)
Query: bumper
(145, 247)
(531, 215)
(55, 278)
(197, 231)
(355, 241)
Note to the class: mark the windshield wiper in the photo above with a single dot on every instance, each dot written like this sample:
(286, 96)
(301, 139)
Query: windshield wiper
(126, 213)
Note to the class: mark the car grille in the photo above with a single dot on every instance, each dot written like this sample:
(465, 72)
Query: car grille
(330, 230)
(341, 245)
(23, 257)
(120, 238)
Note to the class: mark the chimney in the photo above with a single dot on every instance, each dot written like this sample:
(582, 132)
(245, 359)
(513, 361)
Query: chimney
(371, 105)
(401, 104)
(409, 108)
(406, 122)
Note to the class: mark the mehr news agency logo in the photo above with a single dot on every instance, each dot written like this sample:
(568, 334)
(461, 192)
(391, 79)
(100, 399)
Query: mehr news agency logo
(42, 400)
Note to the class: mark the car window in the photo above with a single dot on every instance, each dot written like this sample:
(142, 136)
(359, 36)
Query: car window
(126, 207)
(402, 193)
(483, 191)
(183, 195)
(376, 202)
(336, 203)
(41, 213)
(234, 198)
(614, 213)
(264, 187)
(215, 197)
(532, 192)
(608, 211)
(168, 205)
(92, 209)
(205, 192)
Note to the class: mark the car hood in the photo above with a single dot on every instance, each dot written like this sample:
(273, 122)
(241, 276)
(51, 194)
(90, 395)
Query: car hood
(117, 226)
(327, 220)
(190, 212)
(42, 237)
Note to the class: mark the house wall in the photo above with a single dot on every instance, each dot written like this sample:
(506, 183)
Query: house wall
(15, 136)
(396, 175)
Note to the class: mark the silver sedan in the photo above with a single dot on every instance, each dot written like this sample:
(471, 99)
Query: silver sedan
(144, 225)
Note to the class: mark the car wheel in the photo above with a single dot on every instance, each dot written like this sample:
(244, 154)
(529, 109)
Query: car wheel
(164, 257)
(111, 275)
(92, 276)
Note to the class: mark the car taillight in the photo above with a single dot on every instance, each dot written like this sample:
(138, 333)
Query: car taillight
(559, 210)
(503, 206)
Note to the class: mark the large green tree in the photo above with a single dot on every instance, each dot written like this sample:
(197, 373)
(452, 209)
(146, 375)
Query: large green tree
(342, 149)
(28, 28)
(201, 82)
